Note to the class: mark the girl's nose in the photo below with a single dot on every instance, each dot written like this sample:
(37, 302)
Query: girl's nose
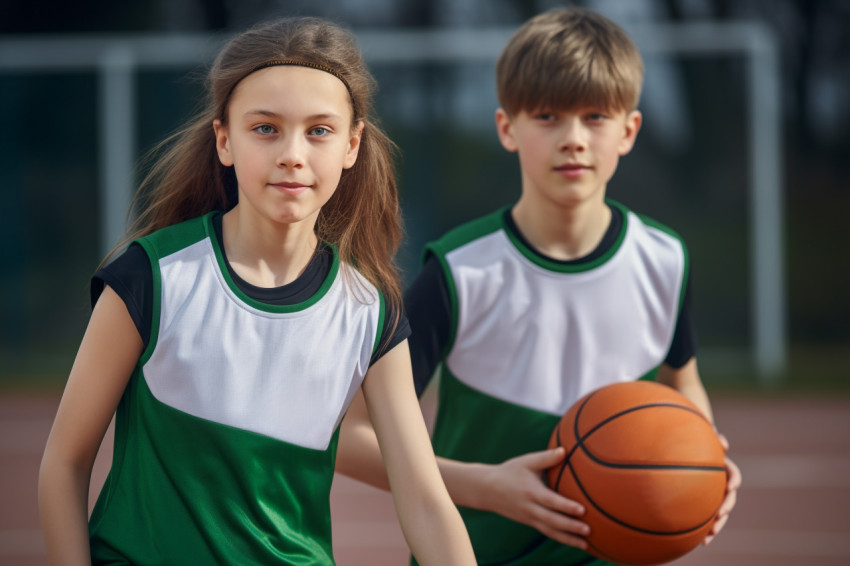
(291, 154)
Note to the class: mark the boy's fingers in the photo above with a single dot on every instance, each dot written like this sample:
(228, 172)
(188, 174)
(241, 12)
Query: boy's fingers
(565, 538)
(561, 528)
(544, 459)
(727, 505)
(557, 502)
(559, 522)
(734, 475)
(716, 528)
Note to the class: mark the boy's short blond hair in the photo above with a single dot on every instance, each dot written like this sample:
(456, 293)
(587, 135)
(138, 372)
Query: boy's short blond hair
(569, 58)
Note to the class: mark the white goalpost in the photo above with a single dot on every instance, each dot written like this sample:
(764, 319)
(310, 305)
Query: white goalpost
(117, 58)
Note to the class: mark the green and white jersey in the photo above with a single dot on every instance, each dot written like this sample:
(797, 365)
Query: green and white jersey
(226, 434)
(532, 336)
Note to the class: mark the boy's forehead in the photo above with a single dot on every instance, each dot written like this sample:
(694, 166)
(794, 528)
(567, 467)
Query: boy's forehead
(574, 107)
(566, 91)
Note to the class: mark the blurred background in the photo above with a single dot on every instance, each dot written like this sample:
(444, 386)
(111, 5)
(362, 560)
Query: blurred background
(744, 151)
(752, 98)
(748, 98)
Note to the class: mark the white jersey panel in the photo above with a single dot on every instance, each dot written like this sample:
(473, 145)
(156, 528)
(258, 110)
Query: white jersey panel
(542, 339)
(289, 376)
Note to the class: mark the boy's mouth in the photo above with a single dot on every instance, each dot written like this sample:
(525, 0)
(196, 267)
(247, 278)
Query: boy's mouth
(572, 170)
(567, 166)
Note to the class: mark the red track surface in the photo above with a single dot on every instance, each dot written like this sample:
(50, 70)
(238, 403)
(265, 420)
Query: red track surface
(794, 507)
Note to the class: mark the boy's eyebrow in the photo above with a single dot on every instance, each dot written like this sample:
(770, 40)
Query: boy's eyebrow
(275, 115)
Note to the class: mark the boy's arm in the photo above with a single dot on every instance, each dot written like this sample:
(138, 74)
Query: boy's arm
(429, 311)
(431, 524)
(686, 380)
(514, 488)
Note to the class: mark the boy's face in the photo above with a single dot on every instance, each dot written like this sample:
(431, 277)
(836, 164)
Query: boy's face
(568, 156)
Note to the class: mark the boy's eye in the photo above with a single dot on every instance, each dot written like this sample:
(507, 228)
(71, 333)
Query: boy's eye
(264, 129)
(319, 131)
(545, 117)
(596, 117)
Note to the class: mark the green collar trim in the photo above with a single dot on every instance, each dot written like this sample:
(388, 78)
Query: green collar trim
(540, 260)
(225, 273)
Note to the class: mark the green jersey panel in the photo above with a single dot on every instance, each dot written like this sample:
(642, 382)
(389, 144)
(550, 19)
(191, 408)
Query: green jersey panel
(226, 434)
(183, 490)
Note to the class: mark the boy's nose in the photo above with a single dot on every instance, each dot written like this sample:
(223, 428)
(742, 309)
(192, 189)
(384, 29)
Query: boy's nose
(573, 137)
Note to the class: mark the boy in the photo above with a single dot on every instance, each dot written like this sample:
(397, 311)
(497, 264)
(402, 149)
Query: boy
(530, 307)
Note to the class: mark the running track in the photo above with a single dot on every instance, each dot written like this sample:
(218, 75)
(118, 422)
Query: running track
(793, 510)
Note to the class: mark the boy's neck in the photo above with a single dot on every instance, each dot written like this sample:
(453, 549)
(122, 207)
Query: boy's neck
(563, 234)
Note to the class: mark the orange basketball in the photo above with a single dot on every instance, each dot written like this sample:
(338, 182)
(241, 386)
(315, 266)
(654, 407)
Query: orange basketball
(648, 468)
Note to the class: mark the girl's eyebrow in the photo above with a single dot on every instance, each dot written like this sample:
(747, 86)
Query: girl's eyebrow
(275, 115)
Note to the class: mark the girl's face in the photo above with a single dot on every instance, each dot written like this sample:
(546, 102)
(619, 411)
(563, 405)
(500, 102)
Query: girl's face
(288, 136)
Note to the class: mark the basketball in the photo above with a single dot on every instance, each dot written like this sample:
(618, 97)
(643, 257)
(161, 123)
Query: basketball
(648, 468)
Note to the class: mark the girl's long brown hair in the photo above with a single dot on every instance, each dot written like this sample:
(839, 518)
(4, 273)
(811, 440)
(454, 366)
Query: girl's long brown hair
(187, 179)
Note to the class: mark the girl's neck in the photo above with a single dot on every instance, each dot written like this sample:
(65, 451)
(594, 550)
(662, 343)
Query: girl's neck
(562, 233)
(266, 253)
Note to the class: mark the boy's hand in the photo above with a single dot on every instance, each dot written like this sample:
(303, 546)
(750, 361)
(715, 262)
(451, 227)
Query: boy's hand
(733, 482)
(516, 491)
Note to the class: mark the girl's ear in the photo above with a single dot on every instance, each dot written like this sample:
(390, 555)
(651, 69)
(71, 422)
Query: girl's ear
(222, 143)
(505, 130)
(353, 145)
(632, 127)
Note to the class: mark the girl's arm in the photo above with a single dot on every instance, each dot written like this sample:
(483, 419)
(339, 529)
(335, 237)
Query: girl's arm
(108, 353)
(429, 520)
(687, 381)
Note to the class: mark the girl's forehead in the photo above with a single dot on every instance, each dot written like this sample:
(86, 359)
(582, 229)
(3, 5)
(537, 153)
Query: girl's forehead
(293, 88)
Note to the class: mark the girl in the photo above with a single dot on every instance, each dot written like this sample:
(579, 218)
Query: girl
(256, 296)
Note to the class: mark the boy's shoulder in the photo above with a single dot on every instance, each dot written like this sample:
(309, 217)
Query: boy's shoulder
(650, 234)
(468, 232)
(658, 243)
(647, 221)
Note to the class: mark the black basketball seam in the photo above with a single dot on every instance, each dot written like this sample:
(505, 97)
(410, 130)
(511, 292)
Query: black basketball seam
(627, 525)
(602, 555)
(566, 461)
(563, 463)
(580, 443)
(580, 440)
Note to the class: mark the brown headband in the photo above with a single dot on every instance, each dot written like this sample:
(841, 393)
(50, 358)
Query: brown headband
(311, 65)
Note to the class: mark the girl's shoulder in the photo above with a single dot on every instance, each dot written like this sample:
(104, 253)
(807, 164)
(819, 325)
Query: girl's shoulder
(167, 240)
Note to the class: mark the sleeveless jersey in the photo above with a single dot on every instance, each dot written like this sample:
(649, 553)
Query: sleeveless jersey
(531, 336)
(226, 435)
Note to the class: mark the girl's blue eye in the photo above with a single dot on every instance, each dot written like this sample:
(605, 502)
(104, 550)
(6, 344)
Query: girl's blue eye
(319, 131)
(265, 129)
